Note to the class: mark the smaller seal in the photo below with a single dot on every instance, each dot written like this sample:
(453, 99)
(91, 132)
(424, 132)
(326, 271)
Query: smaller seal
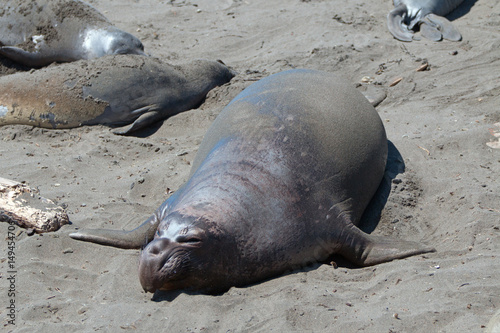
(37, 33)
(426, 14)
(114, 90)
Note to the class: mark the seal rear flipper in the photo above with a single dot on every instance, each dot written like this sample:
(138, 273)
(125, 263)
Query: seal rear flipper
(430, 31)
(150, 115)
(395, 23)
(32, 59)
(133, 239)
(367, 250)
(434, 24)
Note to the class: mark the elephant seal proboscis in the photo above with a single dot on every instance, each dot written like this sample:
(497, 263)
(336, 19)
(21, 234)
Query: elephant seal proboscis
(428, 14)
(39, 32)
(113, 90)
(280, 181)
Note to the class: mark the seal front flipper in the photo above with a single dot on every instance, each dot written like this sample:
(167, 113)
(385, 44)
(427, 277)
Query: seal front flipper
(434, 25)
(32, 59)
(395, 23)
(150, 115)
(367, 250)
(133, 239)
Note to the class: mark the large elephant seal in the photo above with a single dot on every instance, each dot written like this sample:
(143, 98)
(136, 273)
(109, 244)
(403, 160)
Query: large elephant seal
(39, 32)
(111, 90)
(280, 180)
(428, 14)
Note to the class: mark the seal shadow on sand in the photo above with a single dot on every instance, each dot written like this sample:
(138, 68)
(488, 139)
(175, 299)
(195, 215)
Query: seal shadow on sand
(463, 9)
(8, 66)
(369, 221)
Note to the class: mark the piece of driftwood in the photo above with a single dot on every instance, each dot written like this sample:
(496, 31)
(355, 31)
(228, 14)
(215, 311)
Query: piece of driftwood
(25, 207)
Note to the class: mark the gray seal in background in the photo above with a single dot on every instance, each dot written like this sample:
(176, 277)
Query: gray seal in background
(428, 14)
(127, 91)
(39, 32)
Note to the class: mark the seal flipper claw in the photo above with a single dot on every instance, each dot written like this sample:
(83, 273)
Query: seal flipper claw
(395, 23)
(133, 239)
(367, 250)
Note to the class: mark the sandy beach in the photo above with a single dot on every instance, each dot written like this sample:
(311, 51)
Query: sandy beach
(440, 120)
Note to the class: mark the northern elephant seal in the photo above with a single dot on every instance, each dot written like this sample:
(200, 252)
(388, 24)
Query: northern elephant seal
(39, 32)
(428, 14)
(280, 180)
(112, 90)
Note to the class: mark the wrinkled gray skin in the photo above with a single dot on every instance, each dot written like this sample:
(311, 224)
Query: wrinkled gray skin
(280, 181)
(37, 33)
(125, 90)
(428, 14)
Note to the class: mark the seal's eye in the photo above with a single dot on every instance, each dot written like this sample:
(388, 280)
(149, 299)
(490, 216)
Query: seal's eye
(188, 239)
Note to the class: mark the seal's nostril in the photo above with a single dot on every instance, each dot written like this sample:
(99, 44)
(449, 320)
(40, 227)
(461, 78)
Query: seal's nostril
(154, 250)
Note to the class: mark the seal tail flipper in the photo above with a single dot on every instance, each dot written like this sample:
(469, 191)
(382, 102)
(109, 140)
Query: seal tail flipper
(150, 115)
(430, 30)
(446, 29)
(133, 239)
(395, 23)
(32, 59)
(367, 250)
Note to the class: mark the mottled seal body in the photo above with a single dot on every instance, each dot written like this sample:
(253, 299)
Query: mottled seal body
(428, 14)
(111, 90)
(280, 181)
(39, 32)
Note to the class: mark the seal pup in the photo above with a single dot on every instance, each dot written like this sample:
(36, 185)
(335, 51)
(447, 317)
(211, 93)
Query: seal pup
(114, 90)
(281, 180)
(37, 33)
(428, 14)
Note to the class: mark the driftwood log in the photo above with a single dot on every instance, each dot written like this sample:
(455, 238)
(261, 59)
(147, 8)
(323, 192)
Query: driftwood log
(25, 207)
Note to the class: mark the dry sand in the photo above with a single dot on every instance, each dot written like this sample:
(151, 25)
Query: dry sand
(439, 120)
